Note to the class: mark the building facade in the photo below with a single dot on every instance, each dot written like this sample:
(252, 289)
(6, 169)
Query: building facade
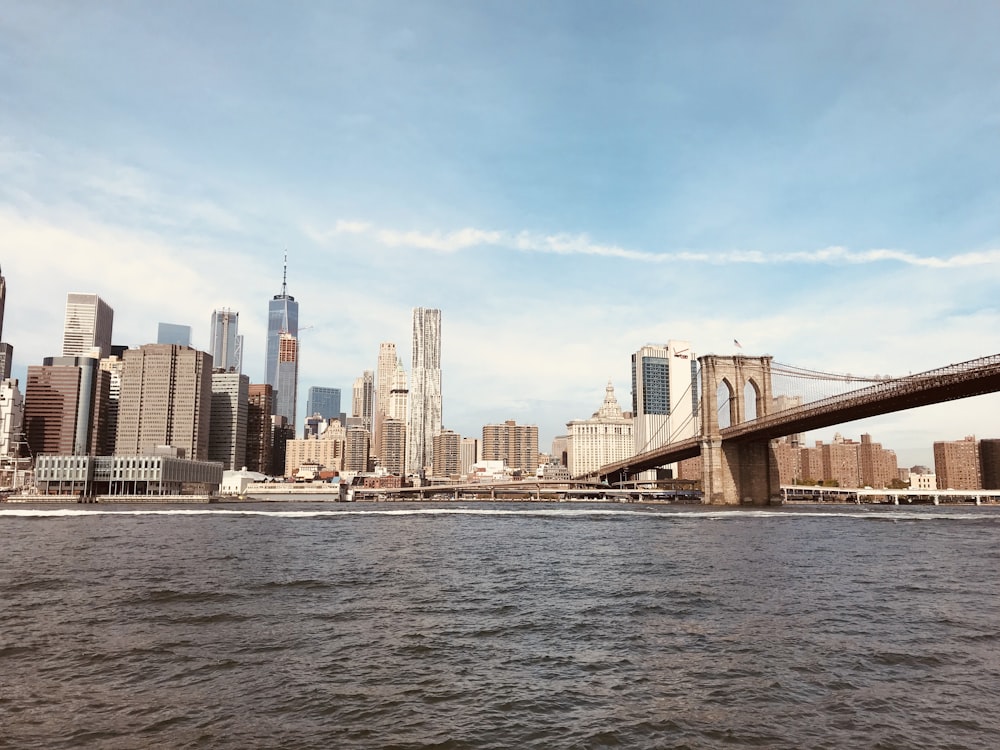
(447, 454)
(664, 395)
(259, 440)
(956, 464)
(286, 380)
(227, 435)
(166, 400)
(425, 403)
(11, 417)
(989, 463)
(87, 328)
(65, 407)
(323, 401)
(516, 445)
(603, 439)
(393, 458)
(326, 451)
(225, 342)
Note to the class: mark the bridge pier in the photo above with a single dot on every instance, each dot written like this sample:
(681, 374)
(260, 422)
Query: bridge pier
(735, 473)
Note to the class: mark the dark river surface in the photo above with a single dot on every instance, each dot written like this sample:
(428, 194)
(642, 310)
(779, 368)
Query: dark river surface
(499, 626)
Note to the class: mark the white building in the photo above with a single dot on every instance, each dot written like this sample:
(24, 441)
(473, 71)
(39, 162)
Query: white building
(605, 438)
(923, 481)
(425, 390)
(664, 395)
(11, 416)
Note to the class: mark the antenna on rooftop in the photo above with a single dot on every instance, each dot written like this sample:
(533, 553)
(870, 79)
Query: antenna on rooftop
(284, 277)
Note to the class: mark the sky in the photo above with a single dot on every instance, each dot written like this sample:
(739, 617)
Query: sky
(566, 180)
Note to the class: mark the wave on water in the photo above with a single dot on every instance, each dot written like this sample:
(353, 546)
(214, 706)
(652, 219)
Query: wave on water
(670, 514)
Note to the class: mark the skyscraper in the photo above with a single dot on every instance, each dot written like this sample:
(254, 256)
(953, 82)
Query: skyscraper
(259, 439)
(364, 399)
(226, 344)
(227, 435)
(87, 331)
(286, 380)
(385, 373)
(425, 392)
(283, 321)
(664, 394)
(323, 401)
(166, 399)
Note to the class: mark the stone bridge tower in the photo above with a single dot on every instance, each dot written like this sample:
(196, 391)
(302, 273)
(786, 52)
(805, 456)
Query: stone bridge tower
(737, 471)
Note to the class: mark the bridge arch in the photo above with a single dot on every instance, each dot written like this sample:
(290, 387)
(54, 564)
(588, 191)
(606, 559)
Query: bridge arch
(733, 473)
(736, 372)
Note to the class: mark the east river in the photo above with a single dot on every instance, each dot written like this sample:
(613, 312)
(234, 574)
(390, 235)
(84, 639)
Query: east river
(499, 626)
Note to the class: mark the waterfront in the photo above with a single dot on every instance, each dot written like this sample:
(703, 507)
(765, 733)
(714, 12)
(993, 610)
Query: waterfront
(499, 625)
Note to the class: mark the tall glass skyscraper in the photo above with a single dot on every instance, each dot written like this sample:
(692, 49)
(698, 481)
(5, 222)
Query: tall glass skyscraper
(323, 401)
(225, 341)
(283, 318)
(425, 390)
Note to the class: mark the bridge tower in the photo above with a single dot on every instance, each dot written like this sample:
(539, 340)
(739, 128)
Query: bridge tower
(739, 471)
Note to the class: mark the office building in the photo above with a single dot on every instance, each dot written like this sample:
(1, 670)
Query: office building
(447, 454)
(259, 440)
(514, 444)
(227, 435)
(65, 407)
(323, 401)
(166, 400)
(385, 374)
(956, 464)
(664, 395)
(363, 400)
(425, 412)
(87, 330)
(603, 439)
(172, 333)
(225, 342)
(282, 323)
(286, 379)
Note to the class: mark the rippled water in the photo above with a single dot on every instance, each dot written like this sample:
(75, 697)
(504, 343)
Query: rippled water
(499, 626)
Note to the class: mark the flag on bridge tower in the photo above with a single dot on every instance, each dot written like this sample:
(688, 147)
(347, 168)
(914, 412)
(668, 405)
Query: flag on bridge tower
(738, 344)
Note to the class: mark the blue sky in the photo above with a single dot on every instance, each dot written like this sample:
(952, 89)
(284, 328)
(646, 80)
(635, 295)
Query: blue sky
(567, 181)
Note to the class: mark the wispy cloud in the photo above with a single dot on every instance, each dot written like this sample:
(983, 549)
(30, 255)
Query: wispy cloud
(470, 238)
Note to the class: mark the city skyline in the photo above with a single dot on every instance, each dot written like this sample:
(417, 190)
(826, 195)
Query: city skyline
(718, 176)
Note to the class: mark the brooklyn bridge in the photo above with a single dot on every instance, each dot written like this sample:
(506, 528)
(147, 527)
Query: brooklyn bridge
(738, 464)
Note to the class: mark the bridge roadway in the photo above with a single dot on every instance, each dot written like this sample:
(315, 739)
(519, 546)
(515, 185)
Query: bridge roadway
(973, 378)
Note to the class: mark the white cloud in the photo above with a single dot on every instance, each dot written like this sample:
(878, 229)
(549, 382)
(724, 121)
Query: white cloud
(581, 244)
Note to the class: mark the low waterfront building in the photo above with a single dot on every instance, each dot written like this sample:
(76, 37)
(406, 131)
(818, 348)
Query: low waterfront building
(150, 475)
